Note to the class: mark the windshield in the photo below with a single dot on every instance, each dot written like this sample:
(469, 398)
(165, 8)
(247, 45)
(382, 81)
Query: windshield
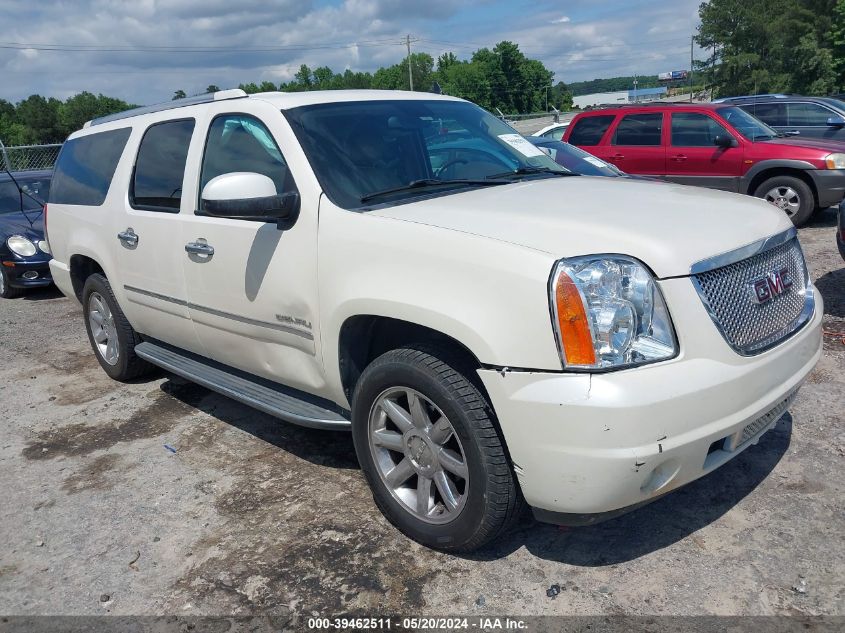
(35, 193)
(576, 159)
(367, 153)
(749, 126)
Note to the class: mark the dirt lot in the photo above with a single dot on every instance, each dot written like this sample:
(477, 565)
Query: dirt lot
(250, 515)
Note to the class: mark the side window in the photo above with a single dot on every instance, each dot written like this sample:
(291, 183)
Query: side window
(693, 129)
(160, 167)
(555, 134)
(773, 114)
(239, 142)
(640, 129)
(808, 114)
(590, 130)
(85, 168)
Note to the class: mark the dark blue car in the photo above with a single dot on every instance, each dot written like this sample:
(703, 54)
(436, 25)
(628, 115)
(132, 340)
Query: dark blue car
(24, 253)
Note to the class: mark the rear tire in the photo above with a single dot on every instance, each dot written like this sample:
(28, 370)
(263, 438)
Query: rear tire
(6, 291)
(790, 194)
(421, 387)
(112, 338)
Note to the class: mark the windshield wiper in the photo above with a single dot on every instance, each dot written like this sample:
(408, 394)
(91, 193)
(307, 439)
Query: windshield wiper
(528, 171)
(425, 183)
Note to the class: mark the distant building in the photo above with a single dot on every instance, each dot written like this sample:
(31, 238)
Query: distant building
(599, 98)
(618, 98)
(646, 94)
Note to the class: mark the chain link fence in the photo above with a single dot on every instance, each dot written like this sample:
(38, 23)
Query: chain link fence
(29, 157)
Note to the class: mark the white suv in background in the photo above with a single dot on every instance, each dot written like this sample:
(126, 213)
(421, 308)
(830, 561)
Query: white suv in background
(492, 328)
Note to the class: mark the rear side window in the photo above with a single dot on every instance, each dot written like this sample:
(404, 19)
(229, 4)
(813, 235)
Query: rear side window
(692, 129)
(808, 114)
(640, 130)
(85, 168)
(590, 129)
(160, 167)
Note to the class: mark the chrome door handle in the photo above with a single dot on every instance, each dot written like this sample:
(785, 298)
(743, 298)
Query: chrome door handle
(617, 157)
(199, 248)
(679, 158)
(128, 238)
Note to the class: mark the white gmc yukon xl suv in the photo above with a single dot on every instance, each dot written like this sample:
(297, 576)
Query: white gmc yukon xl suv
(493, 329)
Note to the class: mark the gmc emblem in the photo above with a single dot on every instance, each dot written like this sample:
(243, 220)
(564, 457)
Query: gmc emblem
(775, 283)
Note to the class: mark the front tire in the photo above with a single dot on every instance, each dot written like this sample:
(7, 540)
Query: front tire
(112, 337)
(791, 195)
(6, 291)
(427, 443)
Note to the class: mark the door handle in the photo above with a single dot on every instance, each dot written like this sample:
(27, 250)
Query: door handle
(200, 247)
(617, 157)
(679, 158)
(128, 238)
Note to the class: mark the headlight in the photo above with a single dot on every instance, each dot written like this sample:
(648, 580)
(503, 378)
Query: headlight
(835, 161)
(44, 247)
(609, 313)
(20, 245)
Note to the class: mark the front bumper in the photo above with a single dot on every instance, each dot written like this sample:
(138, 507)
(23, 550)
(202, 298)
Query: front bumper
(27, 273)
(587, 447)
(830, 186)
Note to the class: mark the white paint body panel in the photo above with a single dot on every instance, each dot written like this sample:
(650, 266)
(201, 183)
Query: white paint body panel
(474, 266)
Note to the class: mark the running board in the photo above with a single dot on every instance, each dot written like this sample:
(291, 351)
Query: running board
(295, 407)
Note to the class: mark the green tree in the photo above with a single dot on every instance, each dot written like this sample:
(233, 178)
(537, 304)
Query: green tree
(212, 88)
(85, 106)
(769, 45)
(179, 94)
(837, 37)
(41, 117)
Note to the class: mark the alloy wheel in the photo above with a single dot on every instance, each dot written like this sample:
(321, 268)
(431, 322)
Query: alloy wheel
(784, 198)
(103, 331)
(418, 455)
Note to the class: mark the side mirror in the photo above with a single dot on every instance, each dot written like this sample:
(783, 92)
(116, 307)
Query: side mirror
(725, 142)
(249, 196)
(836, 121)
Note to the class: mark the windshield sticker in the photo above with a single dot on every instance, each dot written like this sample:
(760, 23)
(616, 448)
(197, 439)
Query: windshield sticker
(595, 161)
(521, 144)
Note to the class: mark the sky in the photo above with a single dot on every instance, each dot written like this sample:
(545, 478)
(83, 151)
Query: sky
(143, 50)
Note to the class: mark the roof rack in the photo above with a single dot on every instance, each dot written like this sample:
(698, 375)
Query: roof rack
(222, 95)
(774, 95)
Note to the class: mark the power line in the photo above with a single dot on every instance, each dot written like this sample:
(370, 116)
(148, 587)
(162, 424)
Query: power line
(84, 48)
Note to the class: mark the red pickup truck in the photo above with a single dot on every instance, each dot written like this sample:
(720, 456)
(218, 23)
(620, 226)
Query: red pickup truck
(718, 146)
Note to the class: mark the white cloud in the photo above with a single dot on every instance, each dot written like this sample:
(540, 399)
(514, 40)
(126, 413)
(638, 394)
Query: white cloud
(592, 40)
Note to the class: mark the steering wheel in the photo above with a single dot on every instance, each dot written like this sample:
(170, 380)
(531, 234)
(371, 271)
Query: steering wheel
(455, 161)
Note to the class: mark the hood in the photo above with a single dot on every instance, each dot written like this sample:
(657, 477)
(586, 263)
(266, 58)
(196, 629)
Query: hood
(814, 143)
(668, 227)
(17, 224)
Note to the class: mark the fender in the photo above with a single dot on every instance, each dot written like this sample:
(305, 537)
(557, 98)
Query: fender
(775, 163)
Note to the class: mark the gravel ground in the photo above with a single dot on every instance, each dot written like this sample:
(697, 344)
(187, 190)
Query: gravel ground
(248, 515)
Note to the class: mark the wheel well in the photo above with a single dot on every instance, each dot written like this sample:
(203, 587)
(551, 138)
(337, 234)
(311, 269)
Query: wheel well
(364, 338)
(82, 267)
(782, 171)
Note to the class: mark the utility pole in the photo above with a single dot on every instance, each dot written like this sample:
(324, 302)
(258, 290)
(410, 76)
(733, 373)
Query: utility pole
(691, 40)
(410, 72)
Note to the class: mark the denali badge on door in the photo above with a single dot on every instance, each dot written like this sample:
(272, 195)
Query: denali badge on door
(773, 284)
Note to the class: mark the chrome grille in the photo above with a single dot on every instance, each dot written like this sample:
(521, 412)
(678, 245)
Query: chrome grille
(751, 327)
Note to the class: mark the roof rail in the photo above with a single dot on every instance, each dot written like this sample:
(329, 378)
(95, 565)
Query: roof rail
(773, 95)
(222, 95)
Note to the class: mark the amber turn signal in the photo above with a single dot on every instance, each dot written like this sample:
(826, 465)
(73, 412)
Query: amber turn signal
(576, 339)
